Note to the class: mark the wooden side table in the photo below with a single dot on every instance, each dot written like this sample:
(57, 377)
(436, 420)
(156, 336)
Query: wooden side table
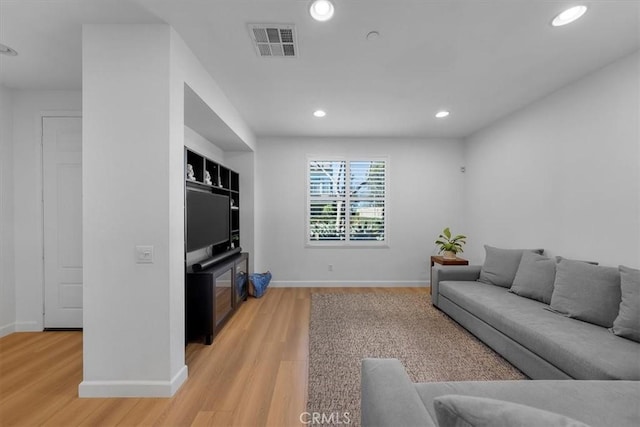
(438, 259)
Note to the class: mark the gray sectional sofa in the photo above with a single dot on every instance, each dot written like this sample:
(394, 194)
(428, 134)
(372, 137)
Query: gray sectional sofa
(544, 334)
(390, 399)
(539, 342)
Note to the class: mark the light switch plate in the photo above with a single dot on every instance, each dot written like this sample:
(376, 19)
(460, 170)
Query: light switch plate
(144, 254)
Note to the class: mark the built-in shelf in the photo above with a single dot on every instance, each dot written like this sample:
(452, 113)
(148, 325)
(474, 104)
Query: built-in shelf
(223, 181)
(213, 294)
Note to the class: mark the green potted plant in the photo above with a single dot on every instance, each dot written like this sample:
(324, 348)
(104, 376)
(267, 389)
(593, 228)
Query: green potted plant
(449, 245)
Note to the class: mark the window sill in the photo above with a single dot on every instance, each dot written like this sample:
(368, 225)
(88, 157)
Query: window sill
(332, 245)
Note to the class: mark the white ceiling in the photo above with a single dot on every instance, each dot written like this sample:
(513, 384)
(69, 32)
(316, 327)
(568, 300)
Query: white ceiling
(481, 59)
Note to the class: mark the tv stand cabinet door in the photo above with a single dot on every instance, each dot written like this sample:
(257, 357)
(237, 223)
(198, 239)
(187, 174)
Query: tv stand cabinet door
(222, 295)
(200, 300)
(241, 279)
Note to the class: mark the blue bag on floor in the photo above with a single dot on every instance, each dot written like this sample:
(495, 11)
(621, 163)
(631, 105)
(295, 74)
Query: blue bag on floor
(258, 283)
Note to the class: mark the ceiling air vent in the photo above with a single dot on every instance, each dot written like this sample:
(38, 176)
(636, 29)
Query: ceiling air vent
(274, 40)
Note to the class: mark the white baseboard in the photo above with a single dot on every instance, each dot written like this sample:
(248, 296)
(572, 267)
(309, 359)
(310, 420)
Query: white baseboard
(30, 326)
(133, 388)
(7, 329)
(348, 284)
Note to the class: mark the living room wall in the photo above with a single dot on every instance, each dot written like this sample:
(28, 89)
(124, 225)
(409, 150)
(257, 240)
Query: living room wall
(28, 106)
(7, 282)
(563, 173)
(424, 197)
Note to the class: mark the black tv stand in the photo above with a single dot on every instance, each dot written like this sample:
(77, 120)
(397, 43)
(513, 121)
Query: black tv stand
(210, 262)
(213, 295)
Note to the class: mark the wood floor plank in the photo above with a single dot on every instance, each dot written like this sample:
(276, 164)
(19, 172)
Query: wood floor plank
(203, 419)
(260, 385)
(110, 413)
(223, 419)
(289, 395)
(254, 374)
(297, 333)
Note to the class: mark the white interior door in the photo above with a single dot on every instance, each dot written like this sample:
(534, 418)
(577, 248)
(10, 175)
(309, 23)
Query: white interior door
(62, 199)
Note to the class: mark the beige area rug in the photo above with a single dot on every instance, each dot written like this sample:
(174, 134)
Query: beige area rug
(346, 328)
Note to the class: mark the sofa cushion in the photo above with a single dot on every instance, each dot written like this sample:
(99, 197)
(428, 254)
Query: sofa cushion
(581, 350)
(587, 292)
(455, 410)
(534, 278)
(596, 403)
(627, 324)
(500, 265)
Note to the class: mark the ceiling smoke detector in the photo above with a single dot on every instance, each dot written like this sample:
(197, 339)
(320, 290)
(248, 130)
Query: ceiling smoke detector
(274, 40)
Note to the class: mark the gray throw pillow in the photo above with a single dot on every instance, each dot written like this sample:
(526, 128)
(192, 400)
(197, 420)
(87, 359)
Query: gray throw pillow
(586, 292)
(500, 265)
(468, 411)
(559, 258)
(534, 278)
(627, 324)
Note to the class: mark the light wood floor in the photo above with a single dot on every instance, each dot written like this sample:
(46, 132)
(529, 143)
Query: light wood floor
(254, 374)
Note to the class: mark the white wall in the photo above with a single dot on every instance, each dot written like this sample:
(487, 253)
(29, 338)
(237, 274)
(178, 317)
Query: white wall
(563, 173)
(424, 197)
(28, 109)
(126, 180)
(133, 157)
(7, 279)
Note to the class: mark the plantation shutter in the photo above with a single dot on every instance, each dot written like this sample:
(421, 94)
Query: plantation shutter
(347, 201)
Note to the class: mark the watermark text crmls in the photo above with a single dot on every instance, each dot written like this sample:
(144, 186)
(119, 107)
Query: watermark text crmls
(318, 418)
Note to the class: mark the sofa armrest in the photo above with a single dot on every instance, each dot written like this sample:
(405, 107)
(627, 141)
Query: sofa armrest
(388, 397)
(441, 273)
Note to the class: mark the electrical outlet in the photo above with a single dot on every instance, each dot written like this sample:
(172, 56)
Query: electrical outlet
(330, 267)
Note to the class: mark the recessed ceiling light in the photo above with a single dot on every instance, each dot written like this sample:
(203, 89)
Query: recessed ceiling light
(569, 15)
(6, 50)
(321, 10)
(442, 114)
(319, 113)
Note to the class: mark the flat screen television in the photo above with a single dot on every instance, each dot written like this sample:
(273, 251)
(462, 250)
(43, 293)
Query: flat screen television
(207, 219)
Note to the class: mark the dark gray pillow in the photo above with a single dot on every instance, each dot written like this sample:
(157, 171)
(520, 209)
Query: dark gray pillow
(500, 265)
(627, 324)
(534, 278)
(586, 292)
(462, 411)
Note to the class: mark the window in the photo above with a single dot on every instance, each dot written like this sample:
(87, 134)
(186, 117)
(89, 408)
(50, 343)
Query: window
(346, 204)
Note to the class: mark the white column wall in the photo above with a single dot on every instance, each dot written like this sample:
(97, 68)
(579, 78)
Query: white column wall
(134, 138)
(130, 326)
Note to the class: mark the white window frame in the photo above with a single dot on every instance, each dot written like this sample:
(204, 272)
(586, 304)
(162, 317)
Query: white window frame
(347, 243)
